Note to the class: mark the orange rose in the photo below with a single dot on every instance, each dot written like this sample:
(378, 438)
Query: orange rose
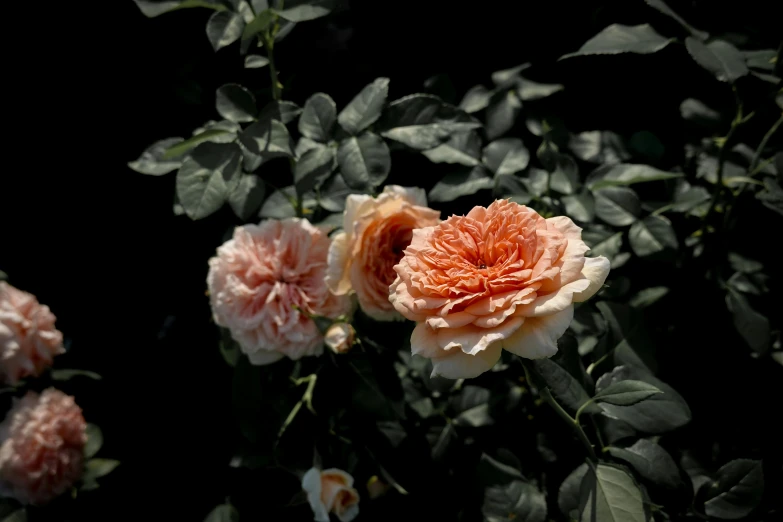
(331, 490)
(375, 232)
(502, 277)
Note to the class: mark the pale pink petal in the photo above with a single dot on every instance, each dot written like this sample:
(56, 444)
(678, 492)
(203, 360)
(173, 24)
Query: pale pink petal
(459, 365)
(424, 341)
(595, 270)
(537, 339)
(473, 339)
(339, 263)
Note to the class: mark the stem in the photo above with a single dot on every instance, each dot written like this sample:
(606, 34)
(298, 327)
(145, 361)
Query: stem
(547, 396)
(306, 400)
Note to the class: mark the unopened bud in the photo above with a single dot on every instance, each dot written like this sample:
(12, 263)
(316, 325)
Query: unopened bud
(339, 337)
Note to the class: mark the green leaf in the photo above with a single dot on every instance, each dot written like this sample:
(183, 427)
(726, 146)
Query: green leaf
(462, 148)
(580, 206)
(223, 513)
(255, 61)
(182, 147)
(528, 90)
(268, 138)
(260, 23)
(665, 9)
(698, 112)
(618, 206)
(207, 177)
(502, 113)
(152, 160)
(284, 111)
(515, 500)
(737, 490)
(648, 296)
(610, 494)
(94, 441)
(568, 493)
(565, 177)
(509, 186)
(651, 461)
(224, 28)
(618, 38)
(423, 121)
(647, 144)
(476, 99)
(688, 198)
(564, 386)
(603, 242)
(764, 59)
(151, 9)
(492, 471)
(97, 468)
(318, 117)
(333, 192)
(626, 393)
(235, 103)
(506, 77)
(506, 156)
(364, 161)
(229, 348)
(461, 183)
(365, 108)
(604, 147)
(720, 58)
(651, 235)
(314, 166)
(743, 264)
(306, 10)
(751, 325)
(772, 195)
(279, 205)
(627, 174)
(246, 198)
(20, 515)
(62, 374)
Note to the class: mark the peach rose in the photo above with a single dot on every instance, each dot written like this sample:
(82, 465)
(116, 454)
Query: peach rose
(375, 232)
(262, 281)
(28, 339)
(42, 453)
(500, 277)
(331, 490)
(339, 337)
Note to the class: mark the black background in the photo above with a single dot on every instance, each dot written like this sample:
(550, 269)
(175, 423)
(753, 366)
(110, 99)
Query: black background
(100, 245)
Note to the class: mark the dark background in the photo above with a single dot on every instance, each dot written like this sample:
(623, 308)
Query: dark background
(101, 246)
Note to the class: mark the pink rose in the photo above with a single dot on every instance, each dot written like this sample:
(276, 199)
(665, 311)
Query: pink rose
(340, 337)
(501, 277)
(375, 232)
(331, 490)
(28, 339)
(42, 453)
(266, 282)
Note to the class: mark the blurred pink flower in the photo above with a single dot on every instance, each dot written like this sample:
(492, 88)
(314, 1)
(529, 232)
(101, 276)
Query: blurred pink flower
(42, 452)
(262, 278)
(502, 277)
(28, 339)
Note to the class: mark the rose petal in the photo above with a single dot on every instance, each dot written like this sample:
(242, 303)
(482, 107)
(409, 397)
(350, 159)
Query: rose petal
(311, 484)
(595, 271)
(473, 339)
(424, 341)
(537, 339)
(555, 302)
(459, 365)
(337, 275)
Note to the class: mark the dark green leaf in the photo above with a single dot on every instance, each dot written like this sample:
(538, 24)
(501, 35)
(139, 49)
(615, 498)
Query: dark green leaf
(688, 198)
(492, 472)
(364, 161)
(284, 111)
(62, 374)
(502, 113)
(648, 296)
(314, 166)
(626, 393)
(749, 283)
(515, 500)
(279, 205)
(603, 242)
(209, 135)
(94, 441)
(604, 147)
(506, 156)
(617, 38)
(152, 160)
(333, 192)
(772, 196)
(442, 443)
(580, 206)
(223, 513)
(647, 144)
(229, 349)
(651, 235)
(696, 111)
(610, 494)
(564, 386)
(151, 8)
(304, 10)
(627, 174)
(267, 138)
(512, 187)
(365, 108)
(207, 177)
(720, 58)
(618, 206)
(529, 90)
(461, 183)
(738, 489)
(763, 59)
(536, 181)
(224, 28)
(568, 494)
(246, 198)
(751, 325)
(318, 117)
(665, 9)
(651, 461)
(507, 77)
(97, 468)
(462, 148)
(743, 264)
(422, 121)
(235, 103)
(19, 515)
(255, 61)
(260, 23)
(565, 177)
(470, 397)
(475, 417)
(475, 99)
